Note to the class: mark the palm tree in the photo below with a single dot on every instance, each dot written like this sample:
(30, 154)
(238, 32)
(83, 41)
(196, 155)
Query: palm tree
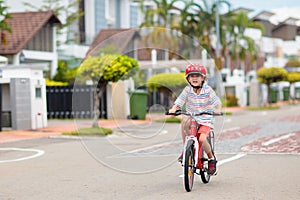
(161, 15)
(160, 20)
(4, 26)
(199, 19)
(239, 44)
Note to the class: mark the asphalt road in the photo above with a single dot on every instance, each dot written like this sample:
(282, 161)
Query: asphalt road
(258, 154)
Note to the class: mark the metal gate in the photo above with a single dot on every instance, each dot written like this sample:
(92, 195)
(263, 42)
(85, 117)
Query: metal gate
(68, 102)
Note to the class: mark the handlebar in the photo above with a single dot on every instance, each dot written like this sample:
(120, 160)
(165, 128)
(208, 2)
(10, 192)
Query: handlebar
(179, 112)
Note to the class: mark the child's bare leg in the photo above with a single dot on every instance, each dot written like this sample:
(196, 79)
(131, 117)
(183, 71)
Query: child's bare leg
(185, 126)
(206, 146)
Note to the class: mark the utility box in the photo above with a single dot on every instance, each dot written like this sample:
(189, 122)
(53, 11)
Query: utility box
(138, 104)
(23, 97)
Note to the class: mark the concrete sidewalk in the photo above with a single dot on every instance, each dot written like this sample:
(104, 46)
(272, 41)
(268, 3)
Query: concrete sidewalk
(57, 127)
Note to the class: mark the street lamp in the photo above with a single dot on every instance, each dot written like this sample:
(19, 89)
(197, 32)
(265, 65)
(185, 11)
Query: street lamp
(218, 54)
(217, 29)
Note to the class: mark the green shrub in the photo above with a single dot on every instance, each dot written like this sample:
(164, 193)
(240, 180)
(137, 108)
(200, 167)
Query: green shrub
(231, 100)
(161, 82)
(55, 83)
(293, 63)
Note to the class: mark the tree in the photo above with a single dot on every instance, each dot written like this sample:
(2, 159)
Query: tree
(199, 20)
(161, 15)
(239, 44)
(101, 70)
(70, 11)
(160, 20)
(64, 73)
(271, 75)
(293, 63)
(4, 26)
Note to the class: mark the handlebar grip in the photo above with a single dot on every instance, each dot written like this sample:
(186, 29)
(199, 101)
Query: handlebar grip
(177, 112)
(219, 114)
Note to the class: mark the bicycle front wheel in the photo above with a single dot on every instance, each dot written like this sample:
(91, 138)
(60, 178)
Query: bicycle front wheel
(189, 168)
(205, 177)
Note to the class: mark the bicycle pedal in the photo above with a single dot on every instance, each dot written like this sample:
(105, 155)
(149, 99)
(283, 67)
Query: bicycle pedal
(215, 174)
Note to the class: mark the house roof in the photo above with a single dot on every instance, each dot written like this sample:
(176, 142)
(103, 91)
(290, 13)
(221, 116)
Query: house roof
(288, 22)
(24, 26)
(119, 38)
(291, 21)
(264, 15)
(242, 9)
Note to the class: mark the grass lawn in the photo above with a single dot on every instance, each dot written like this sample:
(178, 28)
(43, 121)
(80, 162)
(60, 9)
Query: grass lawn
(269, 107)
(93, 131)
(169, 120)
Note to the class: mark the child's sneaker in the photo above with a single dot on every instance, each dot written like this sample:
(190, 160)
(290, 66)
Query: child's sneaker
(212, 167)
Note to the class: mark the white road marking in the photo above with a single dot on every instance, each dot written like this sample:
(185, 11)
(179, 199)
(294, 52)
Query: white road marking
(231, 129)
(233, 158)
(154, 147)
(163, 132)
(65, 137)
(222, 162)
(37, 154)
(264, 113)
(274, 140)
(228, 120)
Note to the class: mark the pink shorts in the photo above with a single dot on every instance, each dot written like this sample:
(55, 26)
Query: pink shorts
(204, 130)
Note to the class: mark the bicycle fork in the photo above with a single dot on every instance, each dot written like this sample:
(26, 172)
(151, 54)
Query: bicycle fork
(193, 140)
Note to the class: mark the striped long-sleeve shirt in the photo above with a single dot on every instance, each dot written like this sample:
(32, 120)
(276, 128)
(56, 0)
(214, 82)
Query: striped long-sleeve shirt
(206, 101)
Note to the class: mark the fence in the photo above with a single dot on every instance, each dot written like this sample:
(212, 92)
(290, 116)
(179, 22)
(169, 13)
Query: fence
(161, 99)
(68, 102)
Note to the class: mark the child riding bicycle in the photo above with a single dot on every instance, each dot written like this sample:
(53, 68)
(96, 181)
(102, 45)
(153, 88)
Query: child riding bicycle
(198, 97)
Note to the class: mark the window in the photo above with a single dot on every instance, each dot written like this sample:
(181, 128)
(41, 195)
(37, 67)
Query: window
(38, 92)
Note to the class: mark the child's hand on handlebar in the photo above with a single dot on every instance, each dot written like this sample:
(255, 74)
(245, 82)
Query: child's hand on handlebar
(172, 110)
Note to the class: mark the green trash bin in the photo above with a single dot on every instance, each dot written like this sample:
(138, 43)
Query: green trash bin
(274, 95)
(138, 104)
(297, 93)
(286, 93)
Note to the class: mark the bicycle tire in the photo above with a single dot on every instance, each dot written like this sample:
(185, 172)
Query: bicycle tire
(205, 177)
(189, 168)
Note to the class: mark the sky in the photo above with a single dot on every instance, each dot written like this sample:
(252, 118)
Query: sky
(282, 9)
(260, 5)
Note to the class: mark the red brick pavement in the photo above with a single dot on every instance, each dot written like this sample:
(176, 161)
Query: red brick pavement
(284, 143)
(231, 134)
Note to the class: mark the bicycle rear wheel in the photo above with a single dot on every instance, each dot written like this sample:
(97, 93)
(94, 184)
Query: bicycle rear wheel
(189, 168)
(205, 177)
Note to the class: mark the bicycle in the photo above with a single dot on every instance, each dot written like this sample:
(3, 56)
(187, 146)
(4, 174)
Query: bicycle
(194, 162)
